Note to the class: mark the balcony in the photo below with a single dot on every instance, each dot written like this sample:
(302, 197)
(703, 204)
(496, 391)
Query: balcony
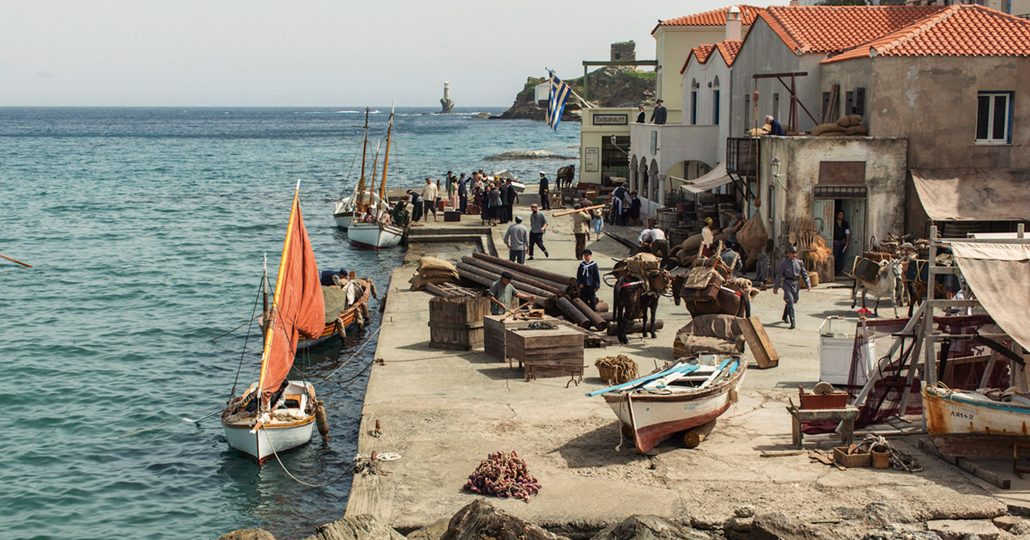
(742, 156)
(669, 145)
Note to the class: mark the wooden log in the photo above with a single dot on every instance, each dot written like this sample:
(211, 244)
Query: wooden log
(520, 286)
(542, 274)
(695, 436)
(593, 317)
(485, 281)
(635, 328)
(434, 290)
(602, 307)
(521, 276)
(570, 311)
(16, 261)
(574, 210)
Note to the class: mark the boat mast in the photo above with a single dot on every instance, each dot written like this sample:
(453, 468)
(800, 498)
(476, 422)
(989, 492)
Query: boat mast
(375, 162)
(270, 321)
(358, 204)
(265, 312)
(386, 158)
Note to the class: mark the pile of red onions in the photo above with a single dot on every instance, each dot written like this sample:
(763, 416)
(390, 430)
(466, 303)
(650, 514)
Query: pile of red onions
(503, 475)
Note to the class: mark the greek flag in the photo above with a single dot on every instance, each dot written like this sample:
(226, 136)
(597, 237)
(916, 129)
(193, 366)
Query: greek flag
(556, 99)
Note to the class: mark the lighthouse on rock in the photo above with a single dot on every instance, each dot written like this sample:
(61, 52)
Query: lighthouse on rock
(446, 105)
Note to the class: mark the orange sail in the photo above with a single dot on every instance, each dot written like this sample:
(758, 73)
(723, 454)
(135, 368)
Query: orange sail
(298, 309)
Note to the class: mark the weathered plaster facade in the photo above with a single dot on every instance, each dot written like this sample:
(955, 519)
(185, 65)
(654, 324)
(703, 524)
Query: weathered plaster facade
(764, 52)
(672, 45)
(797, 174)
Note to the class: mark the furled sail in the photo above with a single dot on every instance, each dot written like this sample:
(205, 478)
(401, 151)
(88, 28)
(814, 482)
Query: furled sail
(298, 308)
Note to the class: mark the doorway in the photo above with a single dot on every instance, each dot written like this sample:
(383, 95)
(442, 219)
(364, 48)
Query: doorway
(614, 158)
(824, 211)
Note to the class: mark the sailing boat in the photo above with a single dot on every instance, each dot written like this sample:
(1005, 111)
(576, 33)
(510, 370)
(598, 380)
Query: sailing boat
(275, 414)
(345, 208)
(378, 233)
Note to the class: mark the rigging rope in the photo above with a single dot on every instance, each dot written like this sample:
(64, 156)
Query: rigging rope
(253, 312)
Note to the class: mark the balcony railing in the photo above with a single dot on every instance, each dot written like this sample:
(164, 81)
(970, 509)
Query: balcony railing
(742, 156)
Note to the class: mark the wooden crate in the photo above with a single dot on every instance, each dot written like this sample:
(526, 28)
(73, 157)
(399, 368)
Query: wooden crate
(547, 352)
(456, 322)
(495, 329)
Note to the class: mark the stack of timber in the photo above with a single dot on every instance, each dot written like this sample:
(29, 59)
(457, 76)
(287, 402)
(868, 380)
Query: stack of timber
(456, 322)
(449, 289)
(495, 329)
(553, 352)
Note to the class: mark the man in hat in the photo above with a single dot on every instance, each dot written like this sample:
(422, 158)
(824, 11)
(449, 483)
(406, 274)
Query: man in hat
(463, 193)
(505, 294)
(588, 277)
(790, 271)
(517, 240)
(659, 115)
(545, 191)
(580, 229)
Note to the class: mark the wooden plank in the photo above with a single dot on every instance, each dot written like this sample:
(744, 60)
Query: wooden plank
(758, 341)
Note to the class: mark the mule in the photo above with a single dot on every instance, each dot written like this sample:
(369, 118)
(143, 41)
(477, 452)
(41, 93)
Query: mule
(886, 285)
(632, 300)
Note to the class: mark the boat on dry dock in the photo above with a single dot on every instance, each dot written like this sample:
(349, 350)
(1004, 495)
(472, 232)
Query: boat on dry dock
(687, 395)
(275, 414)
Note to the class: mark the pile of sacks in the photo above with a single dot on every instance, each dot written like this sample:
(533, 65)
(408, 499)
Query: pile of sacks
(433, 270)
(849, 124)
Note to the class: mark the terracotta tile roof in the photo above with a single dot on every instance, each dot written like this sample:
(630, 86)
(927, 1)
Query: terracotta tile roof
(715, 17)
(826, 29)
(728, 49)
(959, 30)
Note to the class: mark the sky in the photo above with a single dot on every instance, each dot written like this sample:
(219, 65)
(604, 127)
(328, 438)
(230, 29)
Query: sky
(306, 52)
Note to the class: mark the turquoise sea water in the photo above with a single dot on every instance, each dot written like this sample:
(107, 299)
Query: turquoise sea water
(147, 229)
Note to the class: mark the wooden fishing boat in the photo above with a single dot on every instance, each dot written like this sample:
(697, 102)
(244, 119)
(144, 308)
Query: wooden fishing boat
(377, 233)
(685, 396)
(970, 424)
(341, 315)
(275, 414)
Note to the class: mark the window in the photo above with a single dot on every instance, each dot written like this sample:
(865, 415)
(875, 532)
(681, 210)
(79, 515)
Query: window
(715, 101)
(859, 107)
(849, 102)
(747, 112)
(994, 117)
(826, 106)
(776, 105)
(693, 101)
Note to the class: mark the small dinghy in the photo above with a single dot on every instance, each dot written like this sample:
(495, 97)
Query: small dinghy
(275, 414)
(346, 308)
(687, 395)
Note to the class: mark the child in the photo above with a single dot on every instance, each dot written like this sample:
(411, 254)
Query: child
(588, 277)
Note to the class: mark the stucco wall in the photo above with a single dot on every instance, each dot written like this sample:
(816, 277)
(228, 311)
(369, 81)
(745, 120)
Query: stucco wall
(672, 45)
(798, 174)
(764, 52)
(850, 75)
(932, 102)
(705, 75)
(591, 136)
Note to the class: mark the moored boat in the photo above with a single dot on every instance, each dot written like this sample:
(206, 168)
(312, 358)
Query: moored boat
(275, 414)
(376, 232)
(345, 309)
(685, 396)
(972, 424)
(343, 210)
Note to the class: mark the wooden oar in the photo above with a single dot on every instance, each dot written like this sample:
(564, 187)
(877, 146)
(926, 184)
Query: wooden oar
(12, 259)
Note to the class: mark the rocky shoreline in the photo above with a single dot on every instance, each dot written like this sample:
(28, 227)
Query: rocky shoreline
(480, 520)
(609, 87)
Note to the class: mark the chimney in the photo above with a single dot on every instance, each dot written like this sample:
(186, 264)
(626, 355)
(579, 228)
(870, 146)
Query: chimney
(733, 30)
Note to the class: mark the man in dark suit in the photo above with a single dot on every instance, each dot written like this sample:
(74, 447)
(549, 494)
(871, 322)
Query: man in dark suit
(660, 114)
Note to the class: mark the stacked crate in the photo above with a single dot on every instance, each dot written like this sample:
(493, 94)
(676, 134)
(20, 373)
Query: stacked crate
(551, 352)
(495, 329)
(456, 322)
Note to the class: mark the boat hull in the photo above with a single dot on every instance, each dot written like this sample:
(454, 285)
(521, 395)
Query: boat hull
(345, 320)
(960, 423)
(653, 418)
(374, 235)
(343, 219)
(290, 429)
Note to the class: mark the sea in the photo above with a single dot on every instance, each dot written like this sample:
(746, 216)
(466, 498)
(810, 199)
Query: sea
(146, 229)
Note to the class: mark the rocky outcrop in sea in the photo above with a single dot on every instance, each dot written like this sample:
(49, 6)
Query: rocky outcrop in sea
(610, 86)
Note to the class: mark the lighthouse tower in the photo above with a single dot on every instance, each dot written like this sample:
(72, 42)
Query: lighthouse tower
(446, 105)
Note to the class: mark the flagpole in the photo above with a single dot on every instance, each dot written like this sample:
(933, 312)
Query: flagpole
(584, 103)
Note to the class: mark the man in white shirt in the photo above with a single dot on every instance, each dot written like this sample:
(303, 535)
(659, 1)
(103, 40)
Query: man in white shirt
(652, 239)
(707, 238)
(429, 194)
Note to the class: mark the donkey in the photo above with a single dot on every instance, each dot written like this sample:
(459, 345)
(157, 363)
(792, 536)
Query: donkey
(886, 285)
(632, 300)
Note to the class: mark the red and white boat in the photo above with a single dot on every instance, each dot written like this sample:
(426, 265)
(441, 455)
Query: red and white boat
(687, 395)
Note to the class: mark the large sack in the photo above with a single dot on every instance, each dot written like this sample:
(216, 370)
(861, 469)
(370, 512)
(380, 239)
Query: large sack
(428, 263)
(720, 326)
(827, 129)
(699, 277)
(856, 130)
(687, 345)
(752, 235)
(849, 120)
(642, 265)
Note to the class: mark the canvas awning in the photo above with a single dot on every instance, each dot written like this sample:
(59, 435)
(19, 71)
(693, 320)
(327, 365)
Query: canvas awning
(973, 194)
(708, 181)
(999, 276)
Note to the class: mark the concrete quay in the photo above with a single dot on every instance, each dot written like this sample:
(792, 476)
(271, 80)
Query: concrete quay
(444, 411)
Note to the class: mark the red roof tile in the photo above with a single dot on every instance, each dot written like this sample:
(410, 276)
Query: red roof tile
(959, 30)
(715, 17)
(826, 29)
(728, 49)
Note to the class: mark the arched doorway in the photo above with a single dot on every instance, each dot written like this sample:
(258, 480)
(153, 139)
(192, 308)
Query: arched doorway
(644, 179)
(633, 173)
(656, 188)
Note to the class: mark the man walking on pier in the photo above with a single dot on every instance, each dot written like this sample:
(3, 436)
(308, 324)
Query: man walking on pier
(429, 195)
(463, 193)
(580, 229)
(788, 273)
(588, 277)
(510, 198)
(537, 227)
(517, 238)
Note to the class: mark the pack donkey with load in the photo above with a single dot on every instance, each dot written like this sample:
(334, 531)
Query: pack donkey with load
(639, 281)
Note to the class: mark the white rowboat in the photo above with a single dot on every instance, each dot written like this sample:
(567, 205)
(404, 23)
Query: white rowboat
(284, 428)
(374, 235)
